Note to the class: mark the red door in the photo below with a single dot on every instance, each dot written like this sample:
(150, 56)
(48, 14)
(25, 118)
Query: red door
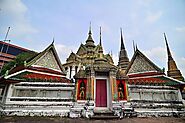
(101, 93)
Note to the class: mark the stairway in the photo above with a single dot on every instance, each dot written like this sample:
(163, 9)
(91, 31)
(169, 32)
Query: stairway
(104, 115)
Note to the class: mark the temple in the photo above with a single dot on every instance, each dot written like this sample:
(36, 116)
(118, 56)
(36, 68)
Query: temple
(138, 83)
(37, 87)
(90, 85)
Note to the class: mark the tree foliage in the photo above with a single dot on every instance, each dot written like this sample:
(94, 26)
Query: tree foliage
(19, 60)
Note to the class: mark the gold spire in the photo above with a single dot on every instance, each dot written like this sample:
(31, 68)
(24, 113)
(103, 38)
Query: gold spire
(101, 48)
(123, 57)
(90, 29)
(173, 71)
(90, 41)
(122, 44)
(168, 49)
(100, 37)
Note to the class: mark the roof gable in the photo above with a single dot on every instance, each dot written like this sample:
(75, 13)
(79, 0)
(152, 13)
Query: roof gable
(140, 64)
(72, 57)
(97, 48)
(47, 59)
(82, 50)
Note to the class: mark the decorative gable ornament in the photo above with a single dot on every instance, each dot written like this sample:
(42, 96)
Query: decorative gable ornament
(140, 64)
(48, 61)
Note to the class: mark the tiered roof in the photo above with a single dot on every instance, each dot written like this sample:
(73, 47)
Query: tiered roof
(88, 52)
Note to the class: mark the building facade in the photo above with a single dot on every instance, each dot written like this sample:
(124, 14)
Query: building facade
(8, 52)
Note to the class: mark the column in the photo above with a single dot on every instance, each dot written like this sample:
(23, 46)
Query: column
(73, 71)
(113, 85)
(68, 72)
(9, 93)
(90, 85)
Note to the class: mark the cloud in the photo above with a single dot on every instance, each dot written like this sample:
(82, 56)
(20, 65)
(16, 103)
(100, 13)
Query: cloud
(104, 27)
(153, 17)
(64, 51)
(115, 58)
(180, 29)
(157, 53)
(13, 14)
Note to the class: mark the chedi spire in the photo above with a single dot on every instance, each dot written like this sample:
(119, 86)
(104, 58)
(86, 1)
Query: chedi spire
(123, 58)
(90, 41)
(173, 71)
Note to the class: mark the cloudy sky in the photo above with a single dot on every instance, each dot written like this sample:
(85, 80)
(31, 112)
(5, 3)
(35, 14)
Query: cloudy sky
(34, 23)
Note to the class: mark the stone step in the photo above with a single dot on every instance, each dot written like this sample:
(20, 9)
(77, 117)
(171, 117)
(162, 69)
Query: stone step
(104, 113)
(104, 117)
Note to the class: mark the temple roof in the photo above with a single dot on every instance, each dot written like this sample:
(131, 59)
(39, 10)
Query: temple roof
(44, 66)
(87, 53)
(141, 64)
(101, 64)
(153, 78)
(82, 50)
(81, 74)
(43, 58)
(37, 74)
(71, 57)
(90, 41)
(121, 74)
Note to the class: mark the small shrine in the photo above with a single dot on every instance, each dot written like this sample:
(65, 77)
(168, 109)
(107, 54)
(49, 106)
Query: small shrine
(100, 82)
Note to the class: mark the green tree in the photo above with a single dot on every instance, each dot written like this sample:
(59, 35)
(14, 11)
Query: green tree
(19, 60)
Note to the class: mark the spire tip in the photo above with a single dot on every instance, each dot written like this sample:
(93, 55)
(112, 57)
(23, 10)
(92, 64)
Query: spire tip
(100, 37)
(53, 40)
(122, 44)
(90, 28)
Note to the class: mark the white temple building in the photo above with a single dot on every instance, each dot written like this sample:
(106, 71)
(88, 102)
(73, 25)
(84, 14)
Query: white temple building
(38, 87)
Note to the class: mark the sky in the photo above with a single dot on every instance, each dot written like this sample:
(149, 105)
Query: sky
(34, 24)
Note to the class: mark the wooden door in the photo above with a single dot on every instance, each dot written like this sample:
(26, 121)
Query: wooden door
(101, 93)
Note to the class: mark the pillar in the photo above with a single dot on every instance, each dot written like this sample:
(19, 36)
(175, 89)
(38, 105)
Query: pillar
(113, 85)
